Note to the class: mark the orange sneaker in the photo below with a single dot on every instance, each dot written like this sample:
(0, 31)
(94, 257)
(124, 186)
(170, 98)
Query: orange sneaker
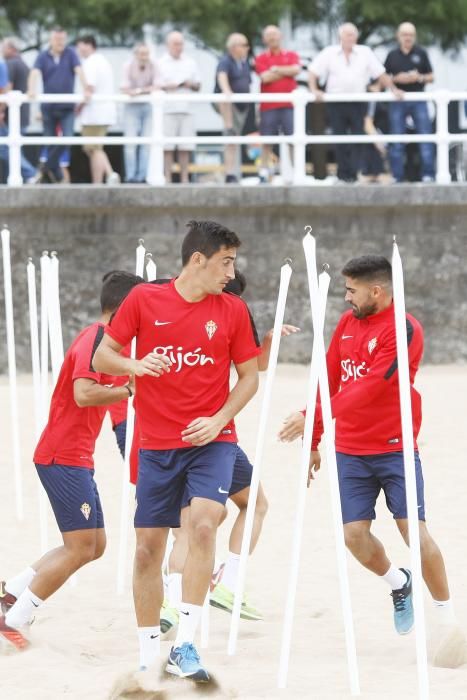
(7, 600)
(12, 635)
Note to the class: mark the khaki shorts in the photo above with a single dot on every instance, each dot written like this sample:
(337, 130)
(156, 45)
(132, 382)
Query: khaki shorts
(93, 130)
(179, 125)
(238, 118)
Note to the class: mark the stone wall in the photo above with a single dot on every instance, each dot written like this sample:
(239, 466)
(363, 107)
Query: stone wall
(95, 229)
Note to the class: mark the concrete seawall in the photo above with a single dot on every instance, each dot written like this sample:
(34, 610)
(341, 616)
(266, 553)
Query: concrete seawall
(95, 229)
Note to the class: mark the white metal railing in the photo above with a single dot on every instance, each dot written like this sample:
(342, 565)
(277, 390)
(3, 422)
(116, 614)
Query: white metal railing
(300, 98)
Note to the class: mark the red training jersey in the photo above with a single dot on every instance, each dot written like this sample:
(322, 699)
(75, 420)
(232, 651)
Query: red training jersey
(364, 383)
(118, 411)
(71, 432)
(201, 340)
(264, 62)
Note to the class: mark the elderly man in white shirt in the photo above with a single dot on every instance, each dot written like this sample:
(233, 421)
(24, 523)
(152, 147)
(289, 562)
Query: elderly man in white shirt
(96, 117)
(347, 67)
(178, 74)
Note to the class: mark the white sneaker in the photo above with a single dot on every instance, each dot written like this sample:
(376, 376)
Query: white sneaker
(113, 178)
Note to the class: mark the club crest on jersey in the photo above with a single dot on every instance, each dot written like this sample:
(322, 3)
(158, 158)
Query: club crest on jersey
(211, 328)
(86, 510)
(372, 344)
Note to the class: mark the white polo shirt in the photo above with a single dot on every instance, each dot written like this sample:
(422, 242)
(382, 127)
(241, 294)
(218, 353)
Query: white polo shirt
(99, 76)
(346, 74)
(177, 71)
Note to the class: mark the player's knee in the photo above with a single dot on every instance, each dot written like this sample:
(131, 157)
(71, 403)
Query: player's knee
(85, 553)
(100, 548)
(145, 556)
(354, 536)
(262, 506)
(203, 534)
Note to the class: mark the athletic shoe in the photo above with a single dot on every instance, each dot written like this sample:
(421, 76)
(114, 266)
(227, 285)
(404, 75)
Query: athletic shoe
(12, 635)
(169, 617)
(184, 662)
(403, 606)
(216, 576)
(113, 178)
(222, 598)
(7, 600)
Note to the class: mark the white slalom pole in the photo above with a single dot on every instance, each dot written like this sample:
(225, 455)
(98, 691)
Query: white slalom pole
(45, 272)
(287, 629)
(328, 424)
(151, 268)
(409, 468)
(285, 275)
(55, 319)
(130, 424)
(36, 381)
(10, 337)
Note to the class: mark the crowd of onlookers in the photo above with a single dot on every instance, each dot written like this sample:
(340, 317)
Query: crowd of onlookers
(347, 67)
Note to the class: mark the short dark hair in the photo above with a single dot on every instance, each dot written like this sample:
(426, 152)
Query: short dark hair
(116, 284)
(371, 268)
(207, 237)
(88, 39)
(237, 285)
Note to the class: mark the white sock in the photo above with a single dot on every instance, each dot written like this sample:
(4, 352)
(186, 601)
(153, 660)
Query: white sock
(21, 612)
(445, 611)
(17, 584)
(395, 577)
(149, 645)
(190, 616)
(174, 593)
(230, 573)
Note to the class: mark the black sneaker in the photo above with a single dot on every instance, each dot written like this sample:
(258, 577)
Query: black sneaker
(231, 179)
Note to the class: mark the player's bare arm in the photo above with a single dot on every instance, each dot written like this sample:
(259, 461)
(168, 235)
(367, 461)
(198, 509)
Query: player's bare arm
(203, 430)
(314, 466)
(108, 359)
(293, 428)
(87, 392)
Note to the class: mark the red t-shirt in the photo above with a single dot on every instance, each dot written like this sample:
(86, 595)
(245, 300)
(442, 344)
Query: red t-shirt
(263, 62)
(118, 411)
(201, 339)
(364, 383)
(70, 435)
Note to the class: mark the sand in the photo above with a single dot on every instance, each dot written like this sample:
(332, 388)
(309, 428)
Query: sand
(84, 643)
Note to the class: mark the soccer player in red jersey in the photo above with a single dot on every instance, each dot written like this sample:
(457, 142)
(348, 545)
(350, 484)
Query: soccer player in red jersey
(188, 333)
(64, 463)
(364, 388)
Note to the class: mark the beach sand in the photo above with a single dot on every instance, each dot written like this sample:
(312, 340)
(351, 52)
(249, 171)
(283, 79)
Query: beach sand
(84, 642)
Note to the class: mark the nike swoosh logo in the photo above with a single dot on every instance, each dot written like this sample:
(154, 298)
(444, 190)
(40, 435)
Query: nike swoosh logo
(162, 323)
(344, 337)
(222, 490)
(184, 613)
(154, 636)
(36, 606)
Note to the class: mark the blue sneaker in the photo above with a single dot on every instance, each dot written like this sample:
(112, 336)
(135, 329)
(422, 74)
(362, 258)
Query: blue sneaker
(184, 662)
(403, 606)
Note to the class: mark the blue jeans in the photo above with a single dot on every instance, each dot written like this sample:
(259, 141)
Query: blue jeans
(398, 113)
(27, 170)
(138, 120)
(52, 117)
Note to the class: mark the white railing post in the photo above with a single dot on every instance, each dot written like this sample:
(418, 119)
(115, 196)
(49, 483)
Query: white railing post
(156, 157)
(443, 176)
(299, 121)
(14, 133)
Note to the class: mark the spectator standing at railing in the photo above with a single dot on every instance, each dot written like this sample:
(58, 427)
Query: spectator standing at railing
(233, 75)
(139, 78)
(96, 117)
(277, 69)
(347, 67)
(18, 73)
(58, 65)
(178, 75)
(411, 70)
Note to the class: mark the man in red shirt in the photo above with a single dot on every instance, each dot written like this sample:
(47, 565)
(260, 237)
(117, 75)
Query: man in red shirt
(364, 388)
(64, 463)
(187, 335)
(277, 69)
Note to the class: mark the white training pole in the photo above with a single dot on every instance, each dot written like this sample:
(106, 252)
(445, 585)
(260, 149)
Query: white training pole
(10, 338)
(289, 610)
(130, 424)
(54, 317)
(309, 247)
(36, 382)
(409, 468)
(151, 268)
(45, 272)
(285, 275)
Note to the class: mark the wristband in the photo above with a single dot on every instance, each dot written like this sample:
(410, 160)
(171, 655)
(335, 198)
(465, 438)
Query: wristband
(128, 389)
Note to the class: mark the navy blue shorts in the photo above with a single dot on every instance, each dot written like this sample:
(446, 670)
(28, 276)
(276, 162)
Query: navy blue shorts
(73, 496)
(241, 478)
(361, 478)
(275, 121)
(120, 436)
(164, 476)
